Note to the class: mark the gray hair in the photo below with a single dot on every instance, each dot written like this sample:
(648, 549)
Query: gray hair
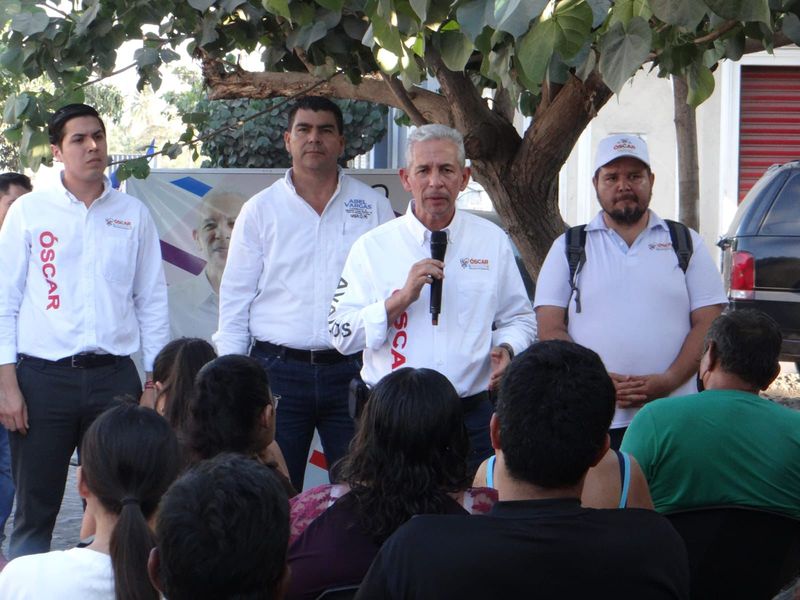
(435, 131)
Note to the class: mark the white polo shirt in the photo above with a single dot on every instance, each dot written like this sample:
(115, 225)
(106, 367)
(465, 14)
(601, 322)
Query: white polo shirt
(635, 301)
(284, 261)
(81, 280)
(481, 287)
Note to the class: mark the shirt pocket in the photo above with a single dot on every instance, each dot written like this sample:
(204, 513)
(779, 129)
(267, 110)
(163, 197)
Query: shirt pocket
(118, 257)
(474, 305)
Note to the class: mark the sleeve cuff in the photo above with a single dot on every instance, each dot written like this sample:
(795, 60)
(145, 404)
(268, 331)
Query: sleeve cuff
(375, 324)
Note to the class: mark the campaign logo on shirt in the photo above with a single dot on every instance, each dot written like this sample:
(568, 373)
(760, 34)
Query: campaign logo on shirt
(357, 208)
(481, 264)
(660, 246)
(119, 223)
(48, 242)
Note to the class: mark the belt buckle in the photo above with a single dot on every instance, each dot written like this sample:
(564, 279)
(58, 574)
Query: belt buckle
(313, 360)
(76, 361)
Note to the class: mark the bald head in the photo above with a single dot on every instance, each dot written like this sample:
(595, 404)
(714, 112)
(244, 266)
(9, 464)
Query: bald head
(216, 217)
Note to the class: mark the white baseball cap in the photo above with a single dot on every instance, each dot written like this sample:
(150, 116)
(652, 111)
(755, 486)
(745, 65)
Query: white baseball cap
(619, 145)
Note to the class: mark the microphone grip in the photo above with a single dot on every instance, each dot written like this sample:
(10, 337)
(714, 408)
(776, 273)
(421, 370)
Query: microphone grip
(438, 249)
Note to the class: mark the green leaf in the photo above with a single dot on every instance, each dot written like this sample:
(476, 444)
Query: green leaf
(278, 7)
(515, 16)
(600, 10)
(681, 13)
(625, 10)
(535, 49)
(456, 48)
(34, 146)
(87, 18)
(201, 5)
(472, 17)
(421, 8)
(700, 80)
(574, 21)
(210, 35)
(791, 27)
(145, 57)
(622, 52)
(30, 23)
(741, 10)
(10, 9)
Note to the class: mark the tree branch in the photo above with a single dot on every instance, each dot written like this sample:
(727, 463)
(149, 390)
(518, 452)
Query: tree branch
(404, 99)
(433, 107)
(482, 127)
(717, 33)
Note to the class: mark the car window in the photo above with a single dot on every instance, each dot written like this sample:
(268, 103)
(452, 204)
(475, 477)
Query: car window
(784, 216)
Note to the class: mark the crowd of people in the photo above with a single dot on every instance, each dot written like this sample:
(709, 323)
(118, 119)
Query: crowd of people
(500, 448)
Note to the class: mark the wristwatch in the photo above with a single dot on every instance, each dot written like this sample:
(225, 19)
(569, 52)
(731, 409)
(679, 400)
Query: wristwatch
(509, 349)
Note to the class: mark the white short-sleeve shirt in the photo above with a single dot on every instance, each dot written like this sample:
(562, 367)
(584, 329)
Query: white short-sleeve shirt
(635, 302)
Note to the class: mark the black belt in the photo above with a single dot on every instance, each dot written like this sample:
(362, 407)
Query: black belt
(472, 402)
(79, 361)
(311, 357)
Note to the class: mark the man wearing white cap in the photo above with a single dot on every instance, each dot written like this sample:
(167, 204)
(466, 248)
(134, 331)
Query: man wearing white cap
(630, 298)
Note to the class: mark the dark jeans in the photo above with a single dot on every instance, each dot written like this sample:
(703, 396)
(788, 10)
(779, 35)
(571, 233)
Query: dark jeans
(476, 419)
(6, 483)
(312, 396)
(62, 402)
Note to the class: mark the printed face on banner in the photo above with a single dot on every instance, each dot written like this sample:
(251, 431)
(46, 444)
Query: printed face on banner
(218, 213)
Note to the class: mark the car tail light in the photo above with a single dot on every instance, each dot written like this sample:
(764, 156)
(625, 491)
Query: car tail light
(743, 276)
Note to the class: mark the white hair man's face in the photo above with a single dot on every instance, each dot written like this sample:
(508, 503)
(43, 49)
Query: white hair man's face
(217, 217)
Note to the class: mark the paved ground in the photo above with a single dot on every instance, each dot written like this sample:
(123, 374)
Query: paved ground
(68, 524)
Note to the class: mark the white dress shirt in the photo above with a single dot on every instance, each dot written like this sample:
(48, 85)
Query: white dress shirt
(193, 308)
(284, 261)
(81, 280)
(481, 288)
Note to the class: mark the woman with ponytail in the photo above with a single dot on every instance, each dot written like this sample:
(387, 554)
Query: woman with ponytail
(129, 457)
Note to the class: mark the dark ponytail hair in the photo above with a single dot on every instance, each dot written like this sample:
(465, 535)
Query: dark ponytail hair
(175, 367)
(129, 457)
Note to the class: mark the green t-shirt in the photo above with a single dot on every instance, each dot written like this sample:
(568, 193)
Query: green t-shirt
(718, 447)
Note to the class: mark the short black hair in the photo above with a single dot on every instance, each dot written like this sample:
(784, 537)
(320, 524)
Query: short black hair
(9, 179)
(555, 407)
(317, 104)
(55, 127)
(222, 531)
(747, 343)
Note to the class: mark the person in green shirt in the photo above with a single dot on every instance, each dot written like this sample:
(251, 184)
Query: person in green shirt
(725, 445)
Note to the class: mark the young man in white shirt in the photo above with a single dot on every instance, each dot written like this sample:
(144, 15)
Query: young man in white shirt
(286, 253)
(382, 304)
(84, 289)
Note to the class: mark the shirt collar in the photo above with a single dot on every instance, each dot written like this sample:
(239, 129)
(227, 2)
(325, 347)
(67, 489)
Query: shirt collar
(422, 234)
(287, 178)
(106, 189)
(598, 222)
(525, 508)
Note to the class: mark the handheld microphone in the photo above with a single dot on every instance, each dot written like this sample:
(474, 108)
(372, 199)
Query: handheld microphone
(438, 248)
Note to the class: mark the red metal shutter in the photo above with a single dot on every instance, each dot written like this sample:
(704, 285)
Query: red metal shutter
(769, 121)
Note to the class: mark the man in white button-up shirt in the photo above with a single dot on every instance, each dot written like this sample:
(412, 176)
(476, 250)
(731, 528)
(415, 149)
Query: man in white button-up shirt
(285, 257)
(382, 304)
(82, 289)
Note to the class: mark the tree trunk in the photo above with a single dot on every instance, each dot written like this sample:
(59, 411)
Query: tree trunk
(688, 169)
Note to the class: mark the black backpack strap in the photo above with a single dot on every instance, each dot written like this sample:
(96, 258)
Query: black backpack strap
(681, 239)
(574, 245)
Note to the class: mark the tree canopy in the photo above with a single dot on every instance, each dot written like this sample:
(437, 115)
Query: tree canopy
(557, 61)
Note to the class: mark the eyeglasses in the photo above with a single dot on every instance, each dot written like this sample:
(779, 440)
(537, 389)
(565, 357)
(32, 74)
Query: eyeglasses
(275, 399)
